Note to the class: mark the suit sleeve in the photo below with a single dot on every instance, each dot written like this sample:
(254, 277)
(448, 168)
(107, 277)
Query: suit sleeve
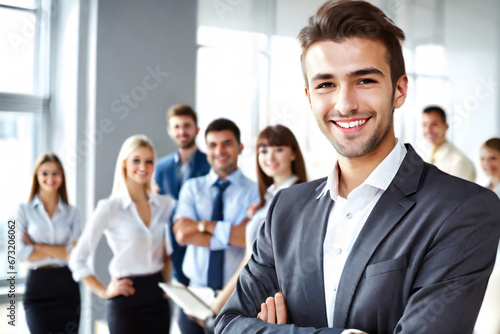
(258, 280)
(451, 281)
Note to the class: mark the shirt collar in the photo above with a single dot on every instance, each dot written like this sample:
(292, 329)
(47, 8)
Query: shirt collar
(127, 201)
(35, 202)
(190, 161)
(61, 206)
(381, 177)
(272, 190)
(235, 177)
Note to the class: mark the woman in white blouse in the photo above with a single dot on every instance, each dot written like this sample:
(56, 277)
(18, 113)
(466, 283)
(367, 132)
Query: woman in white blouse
(48, 228)
(134, 221)
(279, 165)
(488, 320)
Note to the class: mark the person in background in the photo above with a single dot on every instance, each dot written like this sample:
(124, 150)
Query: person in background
(48, 228)
(490, 162)
(280, 164)
(444, 155)
(187, 162)
(171, 172)
(211, 215)
(135, 222)
(488, 321)
(386, 243)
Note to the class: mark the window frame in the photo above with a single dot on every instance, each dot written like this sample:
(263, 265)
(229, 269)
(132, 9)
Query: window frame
(36, 104)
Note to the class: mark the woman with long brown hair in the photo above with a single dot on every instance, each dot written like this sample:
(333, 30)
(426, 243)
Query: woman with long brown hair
(48, 228)
(280, 164)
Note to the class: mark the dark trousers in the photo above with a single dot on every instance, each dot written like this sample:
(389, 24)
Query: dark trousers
(52, 301)
(146, 311)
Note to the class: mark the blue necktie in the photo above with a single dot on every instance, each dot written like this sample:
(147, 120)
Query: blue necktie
(215, 263)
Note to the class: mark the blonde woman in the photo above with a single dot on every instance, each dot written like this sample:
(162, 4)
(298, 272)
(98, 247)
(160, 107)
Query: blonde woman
(48, 228)
(134, 221)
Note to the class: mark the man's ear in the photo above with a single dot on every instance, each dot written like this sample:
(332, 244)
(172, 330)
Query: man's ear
(401, 91)
(240, 148)
(308, 95)
(197, 130)
(168, 131)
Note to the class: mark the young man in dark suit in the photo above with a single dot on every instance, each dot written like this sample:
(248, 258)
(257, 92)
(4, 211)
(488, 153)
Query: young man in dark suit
(386, 243)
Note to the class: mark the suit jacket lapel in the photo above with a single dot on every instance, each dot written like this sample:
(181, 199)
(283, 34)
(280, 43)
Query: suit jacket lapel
(196, 164)
(312, 244)
(173, 178)
(388, 211)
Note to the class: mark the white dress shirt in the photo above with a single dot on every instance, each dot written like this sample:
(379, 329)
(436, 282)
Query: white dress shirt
(255, 224)
(196, 203)
(348, 216)
(183, 167)
(451, 160)
(137, 249)
(62, 229)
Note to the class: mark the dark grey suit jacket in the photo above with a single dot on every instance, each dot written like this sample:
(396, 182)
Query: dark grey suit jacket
(419, 265)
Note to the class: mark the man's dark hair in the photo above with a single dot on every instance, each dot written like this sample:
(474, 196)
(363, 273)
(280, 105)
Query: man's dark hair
(222, 124)
(438, 110)
(340, 20)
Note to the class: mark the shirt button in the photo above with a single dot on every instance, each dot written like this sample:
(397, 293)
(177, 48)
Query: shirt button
(334, 289)
(349, 215)
(338, 251)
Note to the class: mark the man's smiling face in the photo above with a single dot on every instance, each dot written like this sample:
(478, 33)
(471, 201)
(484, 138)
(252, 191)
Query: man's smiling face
(351, 94)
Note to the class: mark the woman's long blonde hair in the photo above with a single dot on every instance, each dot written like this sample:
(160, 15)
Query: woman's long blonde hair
(129, 145)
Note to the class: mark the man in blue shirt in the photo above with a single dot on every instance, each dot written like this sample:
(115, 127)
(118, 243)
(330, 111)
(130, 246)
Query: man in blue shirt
(187, 162)
(197, 224)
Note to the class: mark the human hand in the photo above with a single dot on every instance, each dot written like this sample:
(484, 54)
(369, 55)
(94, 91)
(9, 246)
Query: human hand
(273, 310)
(251, 209)
(27, 239)
(118, 286)
(183, 228)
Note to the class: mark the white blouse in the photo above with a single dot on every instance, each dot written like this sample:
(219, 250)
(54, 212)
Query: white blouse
(62, 229)
(137, 249)
(255, 224)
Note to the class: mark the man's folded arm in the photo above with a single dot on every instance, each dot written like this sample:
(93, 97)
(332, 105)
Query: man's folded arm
(258, 280)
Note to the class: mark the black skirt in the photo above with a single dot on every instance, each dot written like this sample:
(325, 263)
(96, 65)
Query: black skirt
(52, 301)
(146, 311)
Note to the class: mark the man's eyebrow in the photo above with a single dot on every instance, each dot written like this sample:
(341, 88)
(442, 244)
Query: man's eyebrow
(365, 71)
(322, 76)
(355, 74)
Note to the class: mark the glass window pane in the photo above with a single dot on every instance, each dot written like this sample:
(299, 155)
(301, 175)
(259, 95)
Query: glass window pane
(30, 4)
(17, 42)
(18, 147)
